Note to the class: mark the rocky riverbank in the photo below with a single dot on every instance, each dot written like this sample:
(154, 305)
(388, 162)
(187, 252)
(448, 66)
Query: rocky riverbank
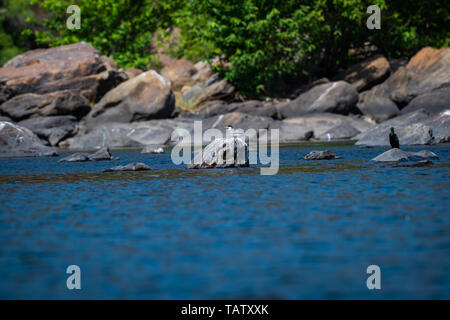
(73, 97)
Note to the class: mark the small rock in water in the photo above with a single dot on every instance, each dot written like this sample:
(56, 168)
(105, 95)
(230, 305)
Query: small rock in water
(76, 157)
(101, 155)
(129, 167)
(320, 155)
(151, 149)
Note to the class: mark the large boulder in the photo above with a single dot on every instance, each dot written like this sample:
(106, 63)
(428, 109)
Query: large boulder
(417, 127)
(253, 107)
(434, 101)
(179, 72)
(364, 75)
(292, 132)
(16, 141)
(222, 153)
(397, 155)
(328, 126)
(145, 97)
(76, 67)
(428, 70)
(49, 104)
(137, 134)
(335, 97)
(379, 108)
(51, 129)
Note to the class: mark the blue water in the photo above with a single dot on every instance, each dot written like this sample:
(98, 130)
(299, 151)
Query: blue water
(171, 233)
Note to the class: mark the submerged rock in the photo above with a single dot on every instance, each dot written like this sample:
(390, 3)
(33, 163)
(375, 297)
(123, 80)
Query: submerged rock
(137, 166)
(397, 155)
(320, 155)
(222, 153)
(16, 141)
(76, 157)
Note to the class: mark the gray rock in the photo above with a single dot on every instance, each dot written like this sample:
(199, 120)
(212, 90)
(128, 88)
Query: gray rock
(16, 141)
(212, 89)
(397, 155)
(341, 131)
(379, 108)
(76, 157)
(411, 128)
(320, 155)
(334, 124)
(51, 129)
(252, 107)
(434, 102)
(292, 132)
(144, 97)
(50, 104)
(129, 167)
(101, 155)
(222, 153)
(335, 97)
(136, 134)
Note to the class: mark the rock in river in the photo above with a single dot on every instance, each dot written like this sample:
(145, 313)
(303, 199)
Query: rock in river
(222, 153)
(138, 166)
(101, 155)
(320, 155)
(16, 141)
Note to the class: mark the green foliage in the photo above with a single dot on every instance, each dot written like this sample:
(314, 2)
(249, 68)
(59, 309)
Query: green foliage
(265, 44)
(12, 20)
(122, 29)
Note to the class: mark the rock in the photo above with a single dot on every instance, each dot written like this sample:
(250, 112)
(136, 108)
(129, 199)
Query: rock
(212, 89)
(396, 155)
(101, 155)
(179, 72)
(204, 71)
(50, 104)
(7, 119)
(152, 150)
(341, 131)
(145, 97)
(133, 72)
(434, 101)
(129, 167)
(292, 132)
(51, 129)
(379, 109)
(411, 128)
(76, 67)
(253, 107)
(323, 124)
(16, 141)
(364, 75)
(335, 97)
(320, 155)
(422, 163)
(76, 157)
(137, 134)
(428, 70)
(222, 153)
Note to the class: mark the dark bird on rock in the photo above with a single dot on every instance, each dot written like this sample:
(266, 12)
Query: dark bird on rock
(393, 139)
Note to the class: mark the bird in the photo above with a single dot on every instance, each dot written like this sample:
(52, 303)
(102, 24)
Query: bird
(233, 132)
(393, 139)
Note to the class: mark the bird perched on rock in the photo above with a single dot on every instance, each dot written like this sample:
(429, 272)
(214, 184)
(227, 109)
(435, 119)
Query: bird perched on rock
(393, 139)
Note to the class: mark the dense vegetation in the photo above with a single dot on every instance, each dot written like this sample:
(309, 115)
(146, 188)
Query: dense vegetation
(267, 43)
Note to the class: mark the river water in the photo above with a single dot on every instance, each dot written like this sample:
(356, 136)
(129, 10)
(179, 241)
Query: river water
(308, 232)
